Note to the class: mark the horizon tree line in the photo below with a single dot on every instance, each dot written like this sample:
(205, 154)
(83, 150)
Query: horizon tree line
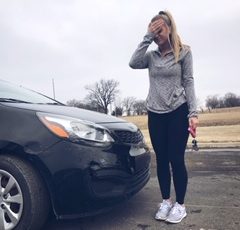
(104, 94)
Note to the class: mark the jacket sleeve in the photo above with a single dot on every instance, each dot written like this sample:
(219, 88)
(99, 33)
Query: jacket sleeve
(139, 59)
(188, 83)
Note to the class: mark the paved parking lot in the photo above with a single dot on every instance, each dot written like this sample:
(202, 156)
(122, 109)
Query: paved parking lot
(212, 200)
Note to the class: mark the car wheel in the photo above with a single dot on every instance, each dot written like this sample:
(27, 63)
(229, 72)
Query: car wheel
(24, 203)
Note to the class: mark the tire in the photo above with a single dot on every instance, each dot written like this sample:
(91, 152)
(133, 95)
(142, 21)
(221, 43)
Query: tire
(24, 202)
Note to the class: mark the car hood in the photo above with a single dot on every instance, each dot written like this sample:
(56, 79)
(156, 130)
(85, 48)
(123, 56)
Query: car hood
(82, 114)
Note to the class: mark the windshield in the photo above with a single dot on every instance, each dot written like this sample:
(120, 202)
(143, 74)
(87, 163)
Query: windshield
(18, 94)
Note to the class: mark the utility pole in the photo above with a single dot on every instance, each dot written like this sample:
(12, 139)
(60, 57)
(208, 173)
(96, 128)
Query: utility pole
(53, 88)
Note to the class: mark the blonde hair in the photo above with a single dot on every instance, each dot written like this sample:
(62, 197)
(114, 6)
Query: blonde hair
(174, 38)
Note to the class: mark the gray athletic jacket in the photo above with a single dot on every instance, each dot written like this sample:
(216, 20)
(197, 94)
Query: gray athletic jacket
(171, 83)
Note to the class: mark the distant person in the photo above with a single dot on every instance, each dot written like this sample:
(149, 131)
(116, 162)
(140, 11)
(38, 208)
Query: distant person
(171, 105)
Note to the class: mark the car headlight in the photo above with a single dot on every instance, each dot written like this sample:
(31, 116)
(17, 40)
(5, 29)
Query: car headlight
(75, 129)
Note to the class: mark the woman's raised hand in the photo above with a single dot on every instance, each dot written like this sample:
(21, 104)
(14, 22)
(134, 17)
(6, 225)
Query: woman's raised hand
(156, 26)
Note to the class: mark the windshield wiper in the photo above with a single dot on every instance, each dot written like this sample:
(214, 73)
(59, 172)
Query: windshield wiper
(13, 100)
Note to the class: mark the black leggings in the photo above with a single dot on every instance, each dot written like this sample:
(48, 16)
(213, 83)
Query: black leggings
(169, 135)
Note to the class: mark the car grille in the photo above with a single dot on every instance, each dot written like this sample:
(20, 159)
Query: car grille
(129, 137)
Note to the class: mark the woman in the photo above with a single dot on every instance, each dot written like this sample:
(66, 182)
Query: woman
(171, 105)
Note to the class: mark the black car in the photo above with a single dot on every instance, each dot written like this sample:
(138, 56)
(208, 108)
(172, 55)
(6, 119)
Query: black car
(63, 160)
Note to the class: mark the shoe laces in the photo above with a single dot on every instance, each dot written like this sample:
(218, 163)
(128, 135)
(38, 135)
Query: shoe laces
(176, 209)
(164, 206)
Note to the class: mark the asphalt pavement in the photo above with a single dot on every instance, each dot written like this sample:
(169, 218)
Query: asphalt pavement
(212, 199)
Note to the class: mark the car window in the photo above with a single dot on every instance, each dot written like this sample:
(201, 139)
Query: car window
(14, 93)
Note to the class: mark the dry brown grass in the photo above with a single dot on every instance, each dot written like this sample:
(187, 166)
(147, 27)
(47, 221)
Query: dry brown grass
(218, 128)
(227, 135)
(208, 137)
(220, 117)
(232, 109)
(217, 117)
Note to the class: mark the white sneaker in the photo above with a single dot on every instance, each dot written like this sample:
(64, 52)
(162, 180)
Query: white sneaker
(163, 211)
(177, 213)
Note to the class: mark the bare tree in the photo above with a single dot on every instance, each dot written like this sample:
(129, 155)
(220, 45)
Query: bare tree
(102, 94)
(139, 107)
(118, 111)
(212, 102)
(128, 104)
(81, 104)
(75, 103)
(231, 100)
(118, 107)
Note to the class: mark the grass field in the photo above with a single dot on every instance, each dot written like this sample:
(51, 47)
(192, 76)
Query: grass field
(218, 128)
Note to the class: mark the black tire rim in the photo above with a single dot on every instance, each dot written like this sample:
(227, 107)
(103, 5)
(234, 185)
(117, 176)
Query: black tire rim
(11, 201)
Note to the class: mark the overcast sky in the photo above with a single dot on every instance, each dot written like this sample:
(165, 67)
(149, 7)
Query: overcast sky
(77, 43)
